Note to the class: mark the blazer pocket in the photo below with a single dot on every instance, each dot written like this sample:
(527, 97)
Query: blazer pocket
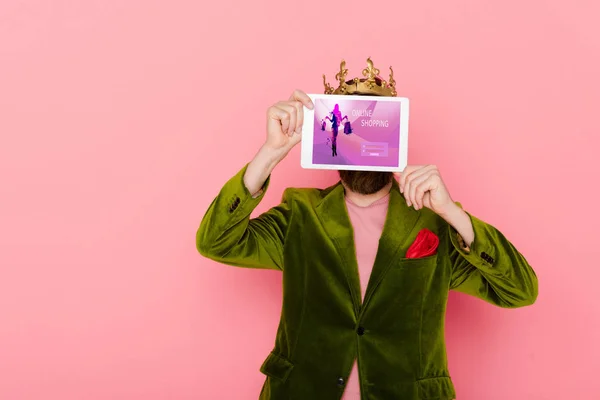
(276, 366)
(419, 261)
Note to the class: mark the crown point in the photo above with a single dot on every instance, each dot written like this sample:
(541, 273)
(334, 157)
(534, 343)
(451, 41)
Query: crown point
(371, 84)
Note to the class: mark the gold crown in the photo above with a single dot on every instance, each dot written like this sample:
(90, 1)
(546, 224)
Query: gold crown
(372, 84)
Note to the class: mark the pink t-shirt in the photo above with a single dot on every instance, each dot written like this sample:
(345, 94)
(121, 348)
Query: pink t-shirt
(367, 223)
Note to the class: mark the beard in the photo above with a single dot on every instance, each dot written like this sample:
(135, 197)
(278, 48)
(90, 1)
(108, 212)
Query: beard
(365, 182)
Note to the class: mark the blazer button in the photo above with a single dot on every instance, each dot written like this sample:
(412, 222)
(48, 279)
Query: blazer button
(340, 381)
(360, 330)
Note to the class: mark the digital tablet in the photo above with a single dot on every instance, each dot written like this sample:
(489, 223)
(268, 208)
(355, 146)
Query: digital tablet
(364, 133)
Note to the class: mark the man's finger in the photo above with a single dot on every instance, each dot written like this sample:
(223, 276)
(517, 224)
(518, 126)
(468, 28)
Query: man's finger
(408, 170)
(402, 176)
(416, 177)
(418, 187)
(281, 117)
(296, 137)
(291, 110)
(299, 116)
(303, 98)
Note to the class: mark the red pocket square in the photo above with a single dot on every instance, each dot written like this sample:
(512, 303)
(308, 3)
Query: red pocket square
(425, 244)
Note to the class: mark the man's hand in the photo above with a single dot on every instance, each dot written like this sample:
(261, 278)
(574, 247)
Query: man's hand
(284, 123)
(422, 186)
(284, 131)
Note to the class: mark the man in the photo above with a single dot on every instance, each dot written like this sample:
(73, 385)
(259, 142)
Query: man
(362, 317)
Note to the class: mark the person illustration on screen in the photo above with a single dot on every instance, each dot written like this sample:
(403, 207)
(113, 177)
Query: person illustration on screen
(367, 266)
(336, 119)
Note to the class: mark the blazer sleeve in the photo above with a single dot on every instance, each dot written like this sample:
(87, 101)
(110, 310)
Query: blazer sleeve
(228, 235)
(491, 268)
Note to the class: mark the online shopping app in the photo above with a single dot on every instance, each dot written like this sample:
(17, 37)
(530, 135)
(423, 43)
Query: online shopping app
(356, 132)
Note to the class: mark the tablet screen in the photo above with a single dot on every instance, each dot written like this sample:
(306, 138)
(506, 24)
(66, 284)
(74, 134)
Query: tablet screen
(358, 132)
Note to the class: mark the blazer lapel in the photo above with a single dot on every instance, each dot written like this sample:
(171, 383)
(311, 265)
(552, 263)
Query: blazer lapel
(393, 244)
(333, 215)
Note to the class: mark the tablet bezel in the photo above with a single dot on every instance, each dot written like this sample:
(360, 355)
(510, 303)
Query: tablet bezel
(306, 153)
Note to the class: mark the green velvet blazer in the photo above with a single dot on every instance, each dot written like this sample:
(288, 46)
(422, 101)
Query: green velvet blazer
(397, 333)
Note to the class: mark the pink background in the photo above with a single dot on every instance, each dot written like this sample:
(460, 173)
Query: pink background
(111, 151)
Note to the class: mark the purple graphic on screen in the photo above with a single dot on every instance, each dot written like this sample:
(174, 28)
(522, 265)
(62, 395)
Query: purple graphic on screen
(356, 132)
